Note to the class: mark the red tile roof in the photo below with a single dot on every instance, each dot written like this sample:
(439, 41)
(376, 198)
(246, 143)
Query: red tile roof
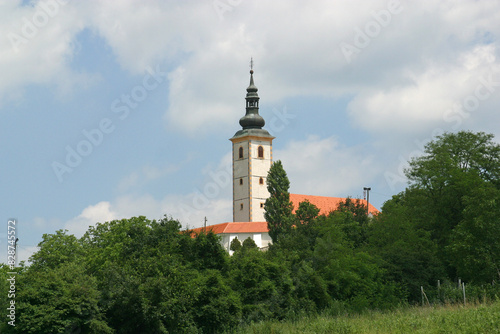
(324, 204)
(237, 227)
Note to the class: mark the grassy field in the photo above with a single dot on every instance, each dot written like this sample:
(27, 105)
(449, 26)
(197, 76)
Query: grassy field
(443, 319)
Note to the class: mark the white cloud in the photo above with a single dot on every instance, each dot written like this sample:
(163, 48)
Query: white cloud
(431, 56)
(211, 199)
(144, 34)
(25, 252)
(296, 54)
(100, 212)
(190, 210)
(37, 45)
(431, 96)
(324, 167)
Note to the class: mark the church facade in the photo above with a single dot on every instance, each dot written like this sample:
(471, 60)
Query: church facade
(252, 157)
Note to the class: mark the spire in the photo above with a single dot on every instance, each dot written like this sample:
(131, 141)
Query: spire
(252, 122)
(252, 119)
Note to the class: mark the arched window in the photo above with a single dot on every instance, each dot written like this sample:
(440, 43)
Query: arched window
(241, 206)
(261, 180)
(260, 152)
(241, 181)
(240, 155)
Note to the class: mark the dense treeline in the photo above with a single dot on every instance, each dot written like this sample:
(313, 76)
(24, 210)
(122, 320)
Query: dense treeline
(147, 276)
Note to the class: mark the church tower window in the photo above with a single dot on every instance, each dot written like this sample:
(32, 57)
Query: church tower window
(240, 154)
(261, 180)
(241, 182)
(260, 152)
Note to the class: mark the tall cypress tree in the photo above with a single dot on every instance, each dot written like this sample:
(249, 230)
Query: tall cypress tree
(278, 207)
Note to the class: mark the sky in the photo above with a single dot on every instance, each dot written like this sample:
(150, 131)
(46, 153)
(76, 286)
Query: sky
(115, 109)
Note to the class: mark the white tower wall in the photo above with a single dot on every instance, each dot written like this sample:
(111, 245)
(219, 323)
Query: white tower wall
(249, 178)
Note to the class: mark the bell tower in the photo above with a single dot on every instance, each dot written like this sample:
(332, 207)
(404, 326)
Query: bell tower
(252, 159)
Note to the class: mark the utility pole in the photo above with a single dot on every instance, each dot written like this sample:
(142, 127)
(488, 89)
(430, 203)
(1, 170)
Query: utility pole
(15, 251)
(205, 224)
(367, 190)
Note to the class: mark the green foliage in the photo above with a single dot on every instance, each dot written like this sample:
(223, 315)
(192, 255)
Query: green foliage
(278, 208)
(59, 300)
(248, 243)
(352, 216)
(475, 246)
(206, 252)
(264, 285)
(310, 288)
(407, 252)
(352, 275)
(306, 230)
(451, 293)
(141, 276)
(127, 276)
(235, 245)
(453, 165)
(56, 249)
(454, 197)
(473, 319)
(465, 151)
(217, 306)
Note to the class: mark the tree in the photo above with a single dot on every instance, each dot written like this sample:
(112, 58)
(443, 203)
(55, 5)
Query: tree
(351, 275)
(278, 208)
(464, 151)
(248, 243)
(300, 240)
(63, 299)
(306, 215)
(264, 285)
(218, 307)
(352, 217)
(475, 242)
(235, 245)
(56, 249)
(408, 253)
(206, 252)
(453, 166)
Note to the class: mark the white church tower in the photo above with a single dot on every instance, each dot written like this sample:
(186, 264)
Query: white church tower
(252, 158)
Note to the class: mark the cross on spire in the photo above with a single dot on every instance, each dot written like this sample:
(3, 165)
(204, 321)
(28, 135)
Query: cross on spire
(251, 63)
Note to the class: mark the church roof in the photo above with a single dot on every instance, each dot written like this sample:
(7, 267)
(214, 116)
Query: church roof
(236, 227)
(324, 204)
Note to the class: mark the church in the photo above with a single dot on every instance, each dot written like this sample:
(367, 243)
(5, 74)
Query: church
(252, 148)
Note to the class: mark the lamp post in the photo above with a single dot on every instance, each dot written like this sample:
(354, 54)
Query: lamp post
(367, 189)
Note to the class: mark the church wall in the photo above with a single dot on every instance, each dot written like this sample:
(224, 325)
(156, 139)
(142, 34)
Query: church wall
(258, 210)
(241, 168)
(241, 186)
(259, 168)
(242, 214)
(266, 240)
(241, 190)
(259, 190)
(261, 239)
(255, 146)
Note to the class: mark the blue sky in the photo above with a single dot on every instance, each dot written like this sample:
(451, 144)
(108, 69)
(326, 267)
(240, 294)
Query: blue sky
(147, 93)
